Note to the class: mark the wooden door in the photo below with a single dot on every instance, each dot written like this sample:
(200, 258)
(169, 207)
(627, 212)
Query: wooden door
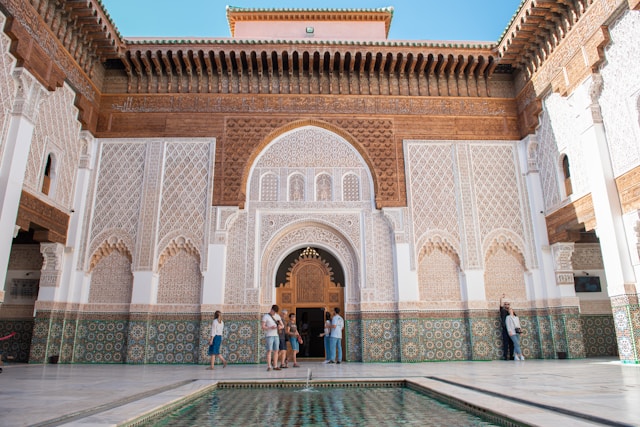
(309, 285)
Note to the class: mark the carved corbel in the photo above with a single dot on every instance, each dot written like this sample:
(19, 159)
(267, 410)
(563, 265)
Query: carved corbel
(29, 94)
(51, 264)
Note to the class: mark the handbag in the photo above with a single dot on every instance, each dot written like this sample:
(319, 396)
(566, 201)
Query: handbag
(518, 330)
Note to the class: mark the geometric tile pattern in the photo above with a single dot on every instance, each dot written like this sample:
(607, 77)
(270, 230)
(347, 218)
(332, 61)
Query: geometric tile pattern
(599, 335)
(17, 346)
(415, 337)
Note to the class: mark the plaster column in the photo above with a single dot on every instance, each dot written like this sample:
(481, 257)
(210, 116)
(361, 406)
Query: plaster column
(543, 279)
(621, 279)
(405, 271)
(562, 253)
(13, 164)
(73, 275)
(145, 274)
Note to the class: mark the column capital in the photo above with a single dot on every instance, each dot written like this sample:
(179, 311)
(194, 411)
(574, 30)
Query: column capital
(51, 264)
(595, 90)
(29, 94)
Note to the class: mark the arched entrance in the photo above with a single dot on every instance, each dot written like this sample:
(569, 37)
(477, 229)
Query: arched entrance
(310, 281)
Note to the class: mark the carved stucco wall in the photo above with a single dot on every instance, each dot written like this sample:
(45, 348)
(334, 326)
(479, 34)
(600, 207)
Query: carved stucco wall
(56, 133)
(7, 85)
(334, 210)
(467, 204)
(129, 202)
(621, 94)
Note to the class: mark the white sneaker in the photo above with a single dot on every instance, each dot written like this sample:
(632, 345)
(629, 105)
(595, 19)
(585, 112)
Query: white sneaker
(521, 357)
(326, 361)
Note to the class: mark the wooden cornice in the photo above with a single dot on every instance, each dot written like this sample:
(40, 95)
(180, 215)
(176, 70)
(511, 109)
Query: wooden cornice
(217, 68)
(237, 14)
(565, 224)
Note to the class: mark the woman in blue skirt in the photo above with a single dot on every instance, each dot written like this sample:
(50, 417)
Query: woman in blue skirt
(215, 340)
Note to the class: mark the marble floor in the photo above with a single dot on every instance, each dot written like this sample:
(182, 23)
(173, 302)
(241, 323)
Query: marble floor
(586, 392)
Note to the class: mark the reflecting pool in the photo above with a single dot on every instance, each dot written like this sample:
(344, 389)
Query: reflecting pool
(324, 406)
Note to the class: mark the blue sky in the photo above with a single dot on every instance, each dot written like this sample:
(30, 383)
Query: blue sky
(471, 20)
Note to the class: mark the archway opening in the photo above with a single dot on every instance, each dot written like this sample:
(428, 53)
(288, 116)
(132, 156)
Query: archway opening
(310, 281)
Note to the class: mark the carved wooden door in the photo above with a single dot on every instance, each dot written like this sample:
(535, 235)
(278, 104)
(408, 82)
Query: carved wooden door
(309, 289)
(309, 284)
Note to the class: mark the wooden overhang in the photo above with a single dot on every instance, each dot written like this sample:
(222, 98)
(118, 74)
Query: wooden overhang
(237, 14)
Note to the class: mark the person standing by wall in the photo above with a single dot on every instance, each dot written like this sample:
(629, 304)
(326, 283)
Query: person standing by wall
(327, 335)
(514, 329)
(294, 338)
(215, 340)
(270, 324)
(282, 341)
(507, 343)
(337, 324)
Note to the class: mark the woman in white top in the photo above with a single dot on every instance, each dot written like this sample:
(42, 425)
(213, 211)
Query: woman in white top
(513, 328)
(215, 340)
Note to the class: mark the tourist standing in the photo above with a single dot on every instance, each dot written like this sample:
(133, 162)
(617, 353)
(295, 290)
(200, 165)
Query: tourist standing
(282, 342)
(294, 338)
(337, 324)
(327, 335)
(270, 326)
(215, 340)
(514, 329)
(507, 344)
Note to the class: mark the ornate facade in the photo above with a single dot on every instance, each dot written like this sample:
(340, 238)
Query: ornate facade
(145, 184)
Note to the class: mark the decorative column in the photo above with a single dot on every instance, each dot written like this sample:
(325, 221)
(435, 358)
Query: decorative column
(145, 277)
(618, 266)
(565, 341)
(49, 324)
(13, 163)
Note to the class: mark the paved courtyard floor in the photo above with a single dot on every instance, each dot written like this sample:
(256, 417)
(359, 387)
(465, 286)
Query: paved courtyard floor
(586, 392)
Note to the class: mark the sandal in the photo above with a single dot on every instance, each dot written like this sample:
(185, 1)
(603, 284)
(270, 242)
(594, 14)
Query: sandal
(295, 365)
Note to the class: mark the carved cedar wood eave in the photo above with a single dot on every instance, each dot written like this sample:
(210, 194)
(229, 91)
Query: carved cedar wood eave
(565, 224)
(237, 14)
(49, 223)
(628, 185)
(64, 41)
(536, 45)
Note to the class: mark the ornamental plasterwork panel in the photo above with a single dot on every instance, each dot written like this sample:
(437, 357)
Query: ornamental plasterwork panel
(185, 190)
(7, 84)
(237, 267)
(304, 235)
(309, 146)
(379, 258)
(347, 223)
(432, 188)
(548, 158)
(621, 94)
(119, 190)
(567, 131)
(587, 256)
(56, 131)
(496, 188)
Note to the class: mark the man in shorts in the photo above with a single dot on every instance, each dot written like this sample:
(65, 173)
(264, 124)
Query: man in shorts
(271, 324)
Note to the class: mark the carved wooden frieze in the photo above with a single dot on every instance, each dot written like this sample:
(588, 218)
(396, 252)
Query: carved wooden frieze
(50, 223)
(629, 190)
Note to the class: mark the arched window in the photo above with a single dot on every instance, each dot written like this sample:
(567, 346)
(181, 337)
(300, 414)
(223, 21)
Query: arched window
(296, 188)
(324, 192)
(48, 175)
(351, 188)
(566, 172)
(269, 188)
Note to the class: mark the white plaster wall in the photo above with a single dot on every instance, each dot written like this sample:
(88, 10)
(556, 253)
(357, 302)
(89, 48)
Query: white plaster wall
(621, 94)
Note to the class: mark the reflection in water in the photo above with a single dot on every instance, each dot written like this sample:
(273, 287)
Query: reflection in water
(331, 406)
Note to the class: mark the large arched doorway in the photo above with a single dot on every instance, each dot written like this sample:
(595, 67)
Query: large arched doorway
(309, 282)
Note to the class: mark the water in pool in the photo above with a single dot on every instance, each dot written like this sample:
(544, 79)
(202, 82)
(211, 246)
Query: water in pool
(330, 406)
